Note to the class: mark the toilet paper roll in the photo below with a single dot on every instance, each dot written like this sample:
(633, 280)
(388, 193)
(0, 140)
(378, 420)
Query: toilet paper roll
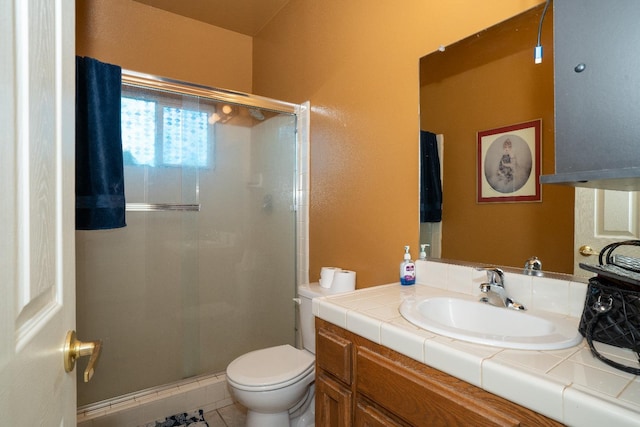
(326, 276)
(343, 281)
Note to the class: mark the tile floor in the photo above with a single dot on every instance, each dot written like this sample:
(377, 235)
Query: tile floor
(227, 416)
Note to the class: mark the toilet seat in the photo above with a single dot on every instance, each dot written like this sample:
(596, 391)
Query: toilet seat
(270, 368)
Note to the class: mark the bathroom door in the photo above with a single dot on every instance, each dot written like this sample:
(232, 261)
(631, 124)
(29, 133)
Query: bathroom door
(37, 266)
(603, 217)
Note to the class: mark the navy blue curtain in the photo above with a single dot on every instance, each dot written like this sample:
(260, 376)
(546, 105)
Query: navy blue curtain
(100, 202)
(430, 184)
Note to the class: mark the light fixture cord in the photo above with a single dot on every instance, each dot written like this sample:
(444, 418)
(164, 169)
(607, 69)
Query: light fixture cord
(544, 12)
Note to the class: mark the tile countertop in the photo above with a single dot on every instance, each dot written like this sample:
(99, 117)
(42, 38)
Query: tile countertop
(568, 385)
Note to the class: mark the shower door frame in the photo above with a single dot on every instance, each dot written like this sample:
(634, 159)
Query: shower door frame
(300, 188)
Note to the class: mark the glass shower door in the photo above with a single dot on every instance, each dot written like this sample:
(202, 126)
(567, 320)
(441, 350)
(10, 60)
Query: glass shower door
(205, 269)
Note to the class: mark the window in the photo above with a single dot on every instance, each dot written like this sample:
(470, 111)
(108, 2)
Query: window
(165, 129)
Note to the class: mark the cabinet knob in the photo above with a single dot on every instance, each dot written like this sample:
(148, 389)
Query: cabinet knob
(580, 67)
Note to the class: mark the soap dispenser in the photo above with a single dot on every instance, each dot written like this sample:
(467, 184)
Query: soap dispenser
(424, 249)
(407, 269)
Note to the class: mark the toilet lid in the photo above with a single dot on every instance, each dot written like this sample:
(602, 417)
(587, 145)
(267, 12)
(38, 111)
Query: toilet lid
(270, 366)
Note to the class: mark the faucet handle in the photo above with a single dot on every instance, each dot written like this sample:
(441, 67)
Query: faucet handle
(533, 266)
(494, 274)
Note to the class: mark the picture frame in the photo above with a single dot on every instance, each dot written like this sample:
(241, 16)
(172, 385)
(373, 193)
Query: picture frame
(509, 163)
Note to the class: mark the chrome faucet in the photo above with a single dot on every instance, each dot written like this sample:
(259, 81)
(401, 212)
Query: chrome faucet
(494, 291)
(533, 267)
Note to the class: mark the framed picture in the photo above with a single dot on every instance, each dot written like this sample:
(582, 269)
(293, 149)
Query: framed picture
(508, 167)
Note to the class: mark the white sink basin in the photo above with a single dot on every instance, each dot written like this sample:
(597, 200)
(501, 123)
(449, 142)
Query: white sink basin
(473, 321)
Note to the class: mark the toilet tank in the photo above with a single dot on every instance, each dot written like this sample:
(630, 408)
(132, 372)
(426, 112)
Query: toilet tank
(306, 293)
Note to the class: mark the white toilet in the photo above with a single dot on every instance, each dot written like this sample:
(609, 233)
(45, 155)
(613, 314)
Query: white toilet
(276, 384)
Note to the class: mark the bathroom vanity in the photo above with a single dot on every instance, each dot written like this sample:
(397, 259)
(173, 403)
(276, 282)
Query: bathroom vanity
(373, 368)
(362, 383)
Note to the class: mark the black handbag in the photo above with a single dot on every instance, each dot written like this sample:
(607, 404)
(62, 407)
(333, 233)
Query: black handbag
(611, 313)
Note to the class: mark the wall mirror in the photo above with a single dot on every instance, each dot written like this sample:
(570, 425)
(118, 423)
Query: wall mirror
(489, 81)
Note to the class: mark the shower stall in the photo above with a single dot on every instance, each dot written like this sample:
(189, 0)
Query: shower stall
(215, 242)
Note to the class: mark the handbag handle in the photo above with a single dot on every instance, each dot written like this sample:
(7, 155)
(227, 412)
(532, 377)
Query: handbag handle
(589, 336)
(606, 253)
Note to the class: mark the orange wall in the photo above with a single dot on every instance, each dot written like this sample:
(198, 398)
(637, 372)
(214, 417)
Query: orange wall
(357, 62)
(482, 83)
(145, 39)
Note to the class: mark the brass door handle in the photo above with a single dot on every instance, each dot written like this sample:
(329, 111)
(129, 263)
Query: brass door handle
(586, 250)
(73, 349)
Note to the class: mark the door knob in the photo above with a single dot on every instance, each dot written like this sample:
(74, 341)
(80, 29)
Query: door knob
(586, 250)
(73, 349)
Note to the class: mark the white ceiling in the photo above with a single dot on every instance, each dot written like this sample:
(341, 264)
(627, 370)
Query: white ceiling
(242, 16)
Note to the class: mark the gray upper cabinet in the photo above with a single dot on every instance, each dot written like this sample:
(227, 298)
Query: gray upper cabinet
(597, 93)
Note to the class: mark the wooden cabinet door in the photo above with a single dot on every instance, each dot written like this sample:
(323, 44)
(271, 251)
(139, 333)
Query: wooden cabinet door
(333, 403)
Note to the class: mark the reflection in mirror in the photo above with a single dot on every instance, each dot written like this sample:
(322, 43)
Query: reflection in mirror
(489, 81)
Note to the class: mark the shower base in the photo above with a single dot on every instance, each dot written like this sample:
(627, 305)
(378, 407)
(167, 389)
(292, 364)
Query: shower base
(207, 392)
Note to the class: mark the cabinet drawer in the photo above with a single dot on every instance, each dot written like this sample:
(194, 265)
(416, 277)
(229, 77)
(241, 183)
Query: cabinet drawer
(333, 355)
(420, 399)
(370, 416)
